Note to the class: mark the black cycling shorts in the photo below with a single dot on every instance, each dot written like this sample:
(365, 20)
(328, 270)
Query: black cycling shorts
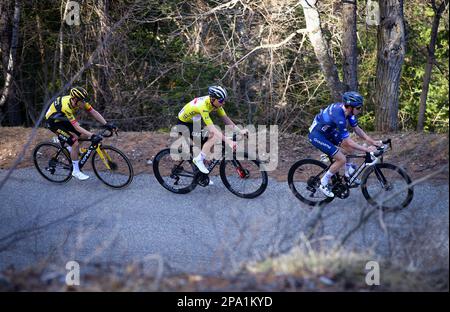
(193, 134)
(63, 129)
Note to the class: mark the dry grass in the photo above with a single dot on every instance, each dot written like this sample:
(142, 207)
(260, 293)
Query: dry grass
(418, 153)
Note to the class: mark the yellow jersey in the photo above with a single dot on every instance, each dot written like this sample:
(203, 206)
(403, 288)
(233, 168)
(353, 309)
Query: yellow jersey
(200, 108)
(62, 105)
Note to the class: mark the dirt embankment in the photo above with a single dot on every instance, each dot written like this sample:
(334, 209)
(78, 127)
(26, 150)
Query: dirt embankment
(419, 153)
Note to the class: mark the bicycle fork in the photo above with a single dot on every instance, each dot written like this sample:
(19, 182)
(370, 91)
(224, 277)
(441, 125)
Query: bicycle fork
(106, 160)
(382, 180)
(242, 172)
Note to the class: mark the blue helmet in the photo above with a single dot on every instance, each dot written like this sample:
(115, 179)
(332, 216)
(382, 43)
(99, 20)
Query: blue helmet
(352, 98)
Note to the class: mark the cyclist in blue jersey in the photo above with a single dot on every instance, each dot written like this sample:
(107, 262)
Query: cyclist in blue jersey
(329, 134)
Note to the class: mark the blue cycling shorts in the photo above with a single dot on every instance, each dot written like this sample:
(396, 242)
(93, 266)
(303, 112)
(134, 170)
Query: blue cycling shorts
(327, 143)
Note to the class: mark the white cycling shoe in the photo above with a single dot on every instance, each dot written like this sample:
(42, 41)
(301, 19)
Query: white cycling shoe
(80, 175)
(200, 165)
(325, 189)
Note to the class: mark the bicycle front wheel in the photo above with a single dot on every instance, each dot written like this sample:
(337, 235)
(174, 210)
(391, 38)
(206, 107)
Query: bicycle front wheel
(387, 186)
(304, 181)
(112, 167)
(244, 177)
(53, 162)
(174, 175)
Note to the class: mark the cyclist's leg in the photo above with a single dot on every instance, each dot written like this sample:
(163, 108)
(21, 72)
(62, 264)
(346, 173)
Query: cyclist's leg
(195, 135)
(324, 144)
(67, 130)
(207, 145)
(347, 150)
(68, 134)
(64, 133)
(185, 139)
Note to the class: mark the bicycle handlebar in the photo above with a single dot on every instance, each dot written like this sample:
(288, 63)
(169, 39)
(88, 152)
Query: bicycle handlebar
(381, 149)
(109, 133)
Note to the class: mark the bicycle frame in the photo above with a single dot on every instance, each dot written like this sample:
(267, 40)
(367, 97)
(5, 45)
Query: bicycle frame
(211, 166)
(213, 163)
(366, 163)
(85, 156)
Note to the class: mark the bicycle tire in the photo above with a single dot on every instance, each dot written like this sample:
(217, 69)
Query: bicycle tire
(59, 152)
(128, 174)
(159, 176)
(226, 181)
(295, 168)
(401, 174)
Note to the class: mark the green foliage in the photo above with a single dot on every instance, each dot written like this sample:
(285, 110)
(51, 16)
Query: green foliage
(419, 19)
(168, 52)
(196, 75)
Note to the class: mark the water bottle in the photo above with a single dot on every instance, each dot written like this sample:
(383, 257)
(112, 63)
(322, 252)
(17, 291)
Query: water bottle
(324, 158)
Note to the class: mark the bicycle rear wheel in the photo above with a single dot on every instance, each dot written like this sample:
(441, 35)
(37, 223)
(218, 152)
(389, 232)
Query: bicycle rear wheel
(304, 181)
(244, 177)
(177, 176)
(114, 168)
(53, 162)
(387, 186)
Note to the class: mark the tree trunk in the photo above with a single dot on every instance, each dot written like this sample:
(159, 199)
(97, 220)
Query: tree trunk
(41, 46)
(5, 13)
(430, 61)
(320, 46)
(349, 50)
(103, 73)
(390, 56)
(63, 11)
(13, 108)
(5, 26)
(59, 51)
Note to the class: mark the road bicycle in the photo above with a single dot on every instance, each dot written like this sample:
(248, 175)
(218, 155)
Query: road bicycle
(383, 185)
(242, 176)
(110, 165)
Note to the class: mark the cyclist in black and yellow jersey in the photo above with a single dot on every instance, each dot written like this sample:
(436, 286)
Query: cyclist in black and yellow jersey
(60, 118)
(198, 110)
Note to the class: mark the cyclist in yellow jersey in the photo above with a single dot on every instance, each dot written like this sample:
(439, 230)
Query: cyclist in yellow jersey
(60, 118)
(198, 110)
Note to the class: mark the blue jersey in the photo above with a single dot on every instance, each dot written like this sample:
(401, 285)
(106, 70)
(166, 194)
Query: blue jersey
(332, 119)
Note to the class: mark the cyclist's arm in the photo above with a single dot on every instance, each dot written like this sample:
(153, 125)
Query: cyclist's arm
(212, 129)
(97, 116)
(227, 120)
(217, 133)
(80, 129)
(348, 142)
(360, 132)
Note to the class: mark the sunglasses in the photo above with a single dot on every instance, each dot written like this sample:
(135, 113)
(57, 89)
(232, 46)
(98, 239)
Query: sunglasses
(358, 107)
(221, 101)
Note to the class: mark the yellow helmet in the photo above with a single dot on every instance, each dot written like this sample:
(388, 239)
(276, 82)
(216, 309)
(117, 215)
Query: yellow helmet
(79, 93)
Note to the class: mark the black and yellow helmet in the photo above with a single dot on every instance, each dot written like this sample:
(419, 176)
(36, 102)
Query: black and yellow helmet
(79, 93)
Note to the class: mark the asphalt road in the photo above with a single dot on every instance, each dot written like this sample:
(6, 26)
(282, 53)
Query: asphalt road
(208, 230)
